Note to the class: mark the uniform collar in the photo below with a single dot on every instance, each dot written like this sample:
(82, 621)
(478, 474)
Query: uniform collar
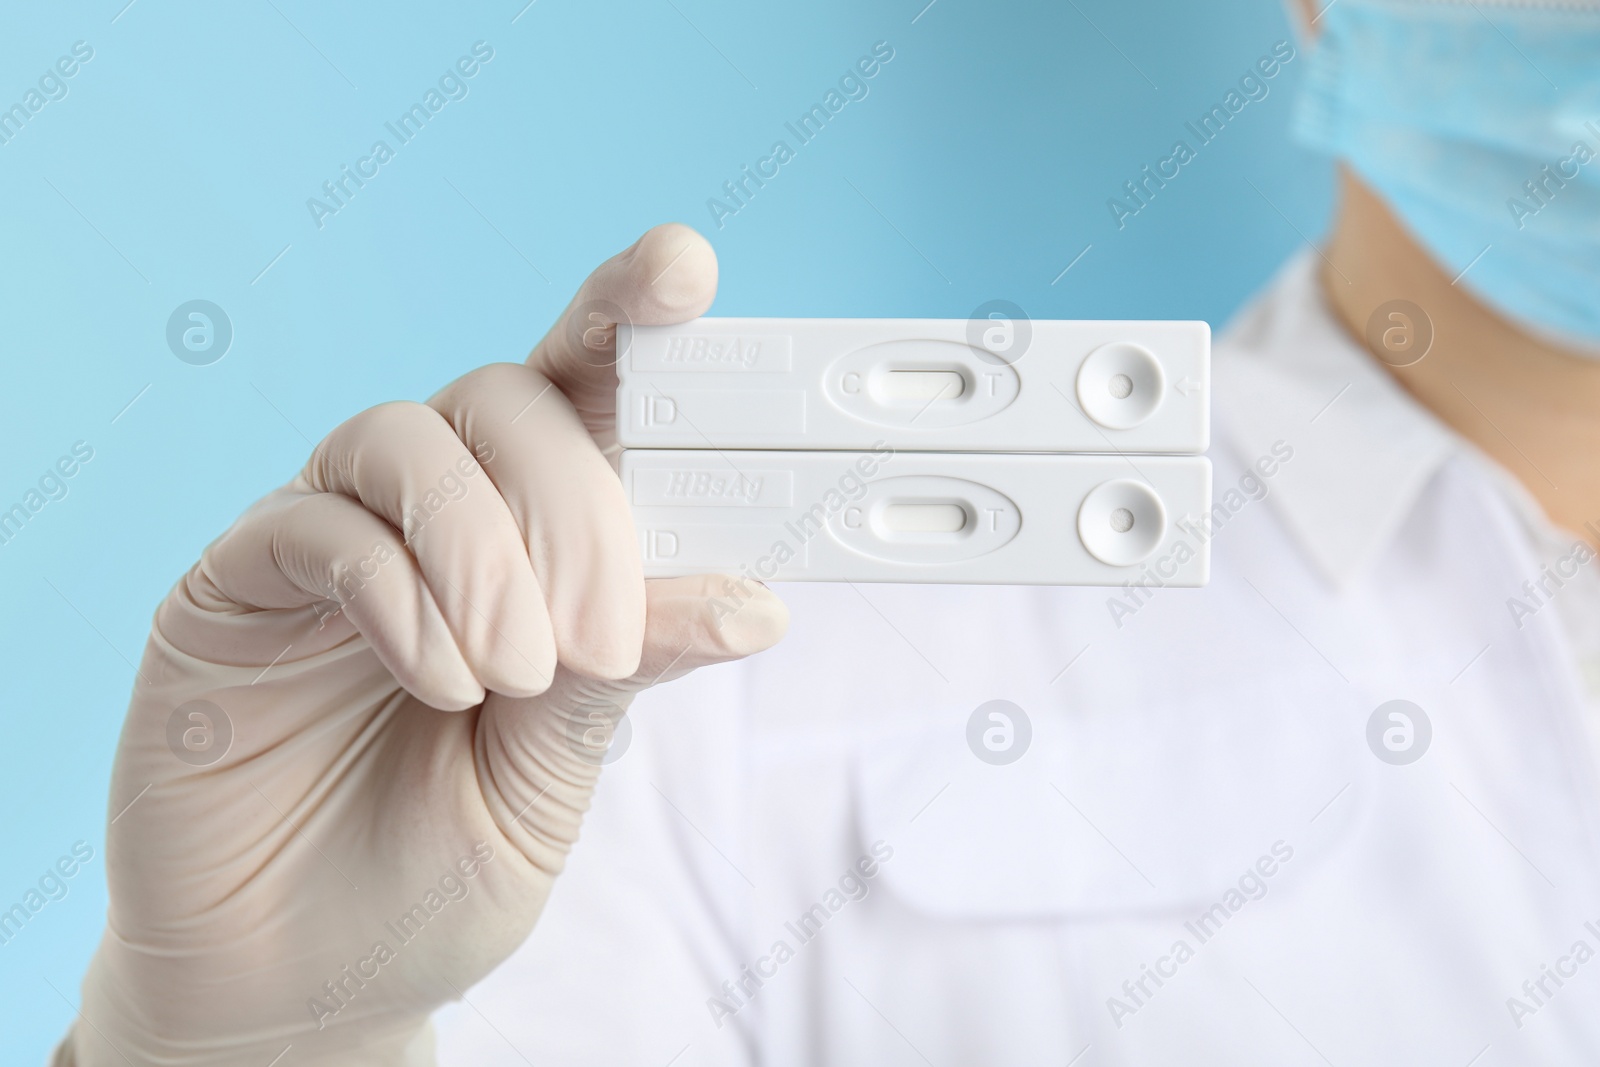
(1287, 371)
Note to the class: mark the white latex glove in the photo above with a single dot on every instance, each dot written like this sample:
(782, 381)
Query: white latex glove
(411, 756)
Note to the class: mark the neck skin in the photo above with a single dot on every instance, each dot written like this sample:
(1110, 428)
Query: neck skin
(1531, 406)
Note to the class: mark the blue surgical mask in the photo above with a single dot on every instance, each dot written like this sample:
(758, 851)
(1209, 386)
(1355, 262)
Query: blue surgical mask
(1479, 124)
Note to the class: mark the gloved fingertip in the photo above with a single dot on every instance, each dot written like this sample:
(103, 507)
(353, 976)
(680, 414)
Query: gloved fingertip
(710, 618)
(452, 702)
(447, 690)
(608, 661)
(755, 625)
(674, 268)
(521, 692)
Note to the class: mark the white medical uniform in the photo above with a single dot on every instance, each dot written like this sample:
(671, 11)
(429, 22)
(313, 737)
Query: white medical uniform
(1199, 774)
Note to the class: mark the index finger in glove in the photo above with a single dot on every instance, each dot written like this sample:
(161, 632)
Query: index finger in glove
(667, 276)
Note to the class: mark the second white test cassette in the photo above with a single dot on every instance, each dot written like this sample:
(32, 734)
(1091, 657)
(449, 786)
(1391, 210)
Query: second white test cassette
(882, 515)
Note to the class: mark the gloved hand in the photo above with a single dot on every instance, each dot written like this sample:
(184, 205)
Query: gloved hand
(368, 721)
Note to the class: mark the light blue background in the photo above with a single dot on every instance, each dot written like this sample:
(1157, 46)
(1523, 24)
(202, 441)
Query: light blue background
(185, 151)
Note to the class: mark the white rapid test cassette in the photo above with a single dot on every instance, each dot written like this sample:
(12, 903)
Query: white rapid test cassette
(932, 385)
(986, 451)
